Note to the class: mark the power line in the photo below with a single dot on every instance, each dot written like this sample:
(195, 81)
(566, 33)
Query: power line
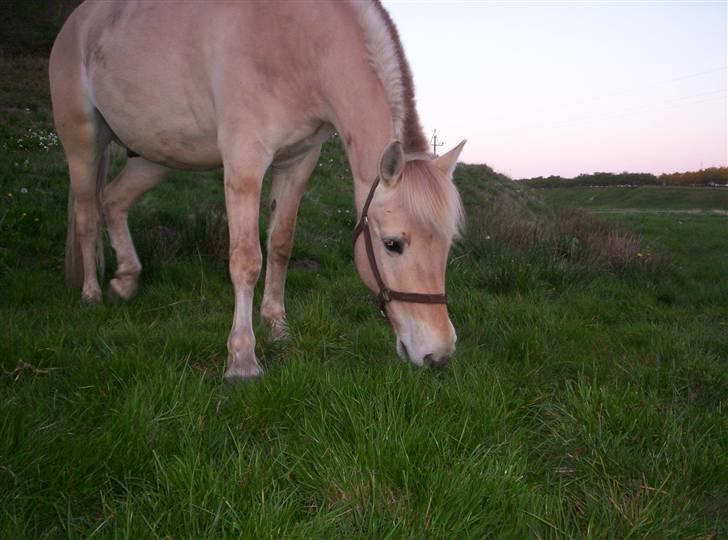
(646, 111)
(612, 94)
(640, 109)
(565, 122)
(511, 133)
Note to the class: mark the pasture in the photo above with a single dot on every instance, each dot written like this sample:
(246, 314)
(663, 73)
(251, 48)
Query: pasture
(587, 397)
(643, 199)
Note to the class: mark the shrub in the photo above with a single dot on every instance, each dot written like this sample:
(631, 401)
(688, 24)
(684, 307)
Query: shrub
(508, 219)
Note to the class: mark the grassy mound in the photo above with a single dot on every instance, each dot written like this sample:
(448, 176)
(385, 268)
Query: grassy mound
(508, 221)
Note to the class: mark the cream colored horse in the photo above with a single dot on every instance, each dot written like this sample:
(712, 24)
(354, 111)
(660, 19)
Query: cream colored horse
(248, 86)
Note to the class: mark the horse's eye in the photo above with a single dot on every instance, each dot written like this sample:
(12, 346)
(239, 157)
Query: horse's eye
(395, 246)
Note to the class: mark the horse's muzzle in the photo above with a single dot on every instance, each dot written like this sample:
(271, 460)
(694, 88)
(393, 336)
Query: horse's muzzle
(429, 360)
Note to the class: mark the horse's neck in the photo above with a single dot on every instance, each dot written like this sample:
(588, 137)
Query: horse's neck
(357, 101)
(364, 123)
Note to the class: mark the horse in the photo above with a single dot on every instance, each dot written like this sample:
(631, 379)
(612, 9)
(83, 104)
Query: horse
(249, 86)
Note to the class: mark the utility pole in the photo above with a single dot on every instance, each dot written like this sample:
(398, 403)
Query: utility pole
(435, 144)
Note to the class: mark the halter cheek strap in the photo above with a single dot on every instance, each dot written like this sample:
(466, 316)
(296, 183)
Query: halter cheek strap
(386, 294)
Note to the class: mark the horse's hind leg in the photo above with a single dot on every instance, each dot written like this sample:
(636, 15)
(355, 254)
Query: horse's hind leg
(84, 142)
(289, 183)
(137, 177)
(84, 168)
(85, 136)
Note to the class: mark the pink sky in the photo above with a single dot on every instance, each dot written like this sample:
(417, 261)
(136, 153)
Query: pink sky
(541, 88)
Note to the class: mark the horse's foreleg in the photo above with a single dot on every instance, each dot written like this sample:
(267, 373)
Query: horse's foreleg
(243, 179)
(289, 183)
(137, 177)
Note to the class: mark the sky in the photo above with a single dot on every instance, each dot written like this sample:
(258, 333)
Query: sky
(565, 88)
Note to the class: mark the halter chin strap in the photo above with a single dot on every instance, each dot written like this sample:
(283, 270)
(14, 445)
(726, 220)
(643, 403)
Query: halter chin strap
(386, 294)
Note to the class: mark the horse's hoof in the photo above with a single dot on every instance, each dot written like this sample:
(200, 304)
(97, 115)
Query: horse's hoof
(237, 375)
(242, 366)
(124, 289)
(92, 297)
(278, 330)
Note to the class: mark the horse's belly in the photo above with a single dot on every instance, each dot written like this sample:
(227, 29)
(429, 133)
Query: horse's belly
(173, 148)
(162, 127)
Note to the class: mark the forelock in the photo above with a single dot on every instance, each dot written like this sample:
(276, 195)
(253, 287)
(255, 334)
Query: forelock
(431, 198)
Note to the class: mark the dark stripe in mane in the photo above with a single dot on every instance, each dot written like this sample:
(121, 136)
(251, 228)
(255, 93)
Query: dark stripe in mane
(412, 138)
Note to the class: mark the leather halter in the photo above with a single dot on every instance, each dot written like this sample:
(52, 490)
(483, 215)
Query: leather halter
(386, 294)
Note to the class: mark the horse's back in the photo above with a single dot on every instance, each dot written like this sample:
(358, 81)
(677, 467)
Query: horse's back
(164, 75)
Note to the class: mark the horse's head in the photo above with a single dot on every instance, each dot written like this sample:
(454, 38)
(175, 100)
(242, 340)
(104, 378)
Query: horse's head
(409, 222)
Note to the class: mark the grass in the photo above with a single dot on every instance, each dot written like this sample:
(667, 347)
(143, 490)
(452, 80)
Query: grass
(644, 198)
(585, 400)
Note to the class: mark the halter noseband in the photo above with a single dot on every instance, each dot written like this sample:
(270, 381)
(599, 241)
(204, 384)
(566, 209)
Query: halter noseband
(386, 294)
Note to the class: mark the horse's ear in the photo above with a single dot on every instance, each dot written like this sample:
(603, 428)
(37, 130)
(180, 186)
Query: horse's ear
(446, 162)
(392, 163)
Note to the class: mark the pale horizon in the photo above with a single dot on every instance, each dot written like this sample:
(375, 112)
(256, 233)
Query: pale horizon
(569, 88)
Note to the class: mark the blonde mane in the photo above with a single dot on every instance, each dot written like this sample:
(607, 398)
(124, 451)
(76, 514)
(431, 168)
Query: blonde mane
(386, 56)
(425, 192)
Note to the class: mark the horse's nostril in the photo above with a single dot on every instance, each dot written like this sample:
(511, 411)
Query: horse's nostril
(404, 349)
(429, 361)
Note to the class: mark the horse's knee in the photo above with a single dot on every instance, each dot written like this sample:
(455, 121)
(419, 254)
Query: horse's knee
(271, 311)
(281, 238)
(245, 265)
(113, 210)
(279, 249)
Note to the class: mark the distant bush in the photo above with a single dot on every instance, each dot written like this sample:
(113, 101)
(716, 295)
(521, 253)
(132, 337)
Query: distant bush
(600, 179)
(715, 176)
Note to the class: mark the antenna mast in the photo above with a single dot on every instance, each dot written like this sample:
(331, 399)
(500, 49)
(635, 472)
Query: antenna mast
(435, 144)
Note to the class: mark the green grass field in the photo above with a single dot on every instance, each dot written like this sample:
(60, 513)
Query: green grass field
(587, 399)
(644, 198)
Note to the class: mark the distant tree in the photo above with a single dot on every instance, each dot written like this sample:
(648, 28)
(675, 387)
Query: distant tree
(714, 176)
(597, 179)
